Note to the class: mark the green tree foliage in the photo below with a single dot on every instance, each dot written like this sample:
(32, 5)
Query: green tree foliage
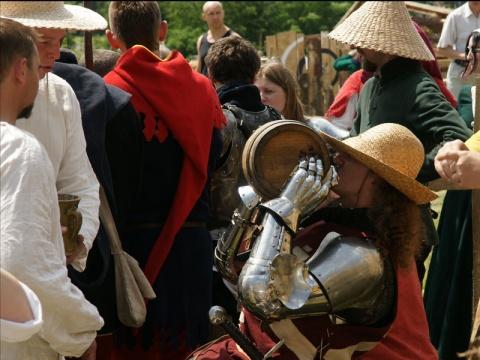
(253, 20)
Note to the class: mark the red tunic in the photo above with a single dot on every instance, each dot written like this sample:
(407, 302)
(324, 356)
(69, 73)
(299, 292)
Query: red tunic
(406, 337)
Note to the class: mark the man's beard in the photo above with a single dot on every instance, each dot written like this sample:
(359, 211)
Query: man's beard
(368, 66)
(25, 113)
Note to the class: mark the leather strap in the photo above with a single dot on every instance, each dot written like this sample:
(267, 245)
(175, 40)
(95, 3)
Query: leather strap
(109, 224)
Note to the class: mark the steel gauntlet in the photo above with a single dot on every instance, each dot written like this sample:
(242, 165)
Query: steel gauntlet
(306, 188)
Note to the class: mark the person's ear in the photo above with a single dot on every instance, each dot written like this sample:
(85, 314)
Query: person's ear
(20, 70)
(112, 39)
(162, 33)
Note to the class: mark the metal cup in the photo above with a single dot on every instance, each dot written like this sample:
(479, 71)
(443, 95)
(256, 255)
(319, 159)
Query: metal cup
(71, 218)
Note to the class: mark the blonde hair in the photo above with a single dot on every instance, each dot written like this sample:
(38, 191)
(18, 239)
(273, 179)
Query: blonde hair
(276, 72)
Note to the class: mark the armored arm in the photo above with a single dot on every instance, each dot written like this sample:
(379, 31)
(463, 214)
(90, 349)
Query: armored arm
(344, 272)
(305, 190)
(240, 233)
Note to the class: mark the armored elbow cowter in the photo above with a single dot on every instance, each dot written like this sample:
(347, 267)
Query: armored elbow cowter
(241, 231)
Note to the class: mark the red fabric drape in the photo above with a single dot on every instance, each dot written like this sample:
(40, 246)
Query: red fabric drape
(171, 97)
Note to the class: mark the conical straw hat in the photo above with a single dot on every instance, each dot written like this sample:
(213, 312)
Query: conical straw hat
(52, 15)
(392, 152)
(383, 26)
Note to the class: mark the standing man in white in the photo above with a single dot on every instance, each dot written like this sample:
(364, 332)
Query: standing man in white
(213, 14)
(31, 245)
(458, 25)
(56, 120)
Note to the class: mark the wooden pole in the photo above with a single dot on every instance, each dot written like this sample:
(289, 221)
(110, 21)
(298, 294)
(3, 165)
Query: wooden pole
(88, 46)
(474, 339)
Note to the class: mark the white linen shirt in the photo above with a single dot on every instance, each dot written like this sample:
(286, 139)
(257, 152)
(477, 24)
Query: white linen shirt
(12, 331)
(56, 122)
(31, 249)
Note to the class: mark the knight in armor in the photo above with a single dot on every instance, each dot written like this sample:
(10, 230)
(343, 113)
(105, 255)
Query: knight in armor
(233, 63)
(338, 281)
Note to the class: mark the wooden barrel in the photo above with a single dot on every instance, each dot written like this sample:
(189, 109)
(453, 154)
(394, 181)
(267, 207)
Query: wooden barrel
(273, 151)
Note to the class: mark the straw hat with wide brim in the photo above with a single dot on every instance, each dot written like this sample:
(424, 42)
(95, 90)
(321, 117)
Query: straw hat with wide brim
(392, 152)
(383, 26)
(52, 15)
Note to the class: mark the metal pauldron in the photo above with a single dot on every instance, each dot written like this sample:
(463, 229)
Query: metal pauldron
(249, 121)
(229, 174)
(344, 272)
(240, 125)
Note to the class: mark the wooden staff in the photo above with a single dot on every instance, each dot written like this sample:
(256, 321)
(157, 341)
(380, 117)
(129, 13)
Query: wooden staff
(88, 46)
(474, 343)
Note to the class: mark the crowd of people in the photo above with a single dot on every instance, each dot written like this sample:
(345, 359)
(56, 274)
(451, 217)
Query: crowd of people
(164, 139)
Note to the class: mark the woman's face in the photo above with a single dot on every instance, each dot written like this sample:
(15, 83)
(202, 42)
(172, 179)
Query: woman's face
(271, 94)
(473, 53)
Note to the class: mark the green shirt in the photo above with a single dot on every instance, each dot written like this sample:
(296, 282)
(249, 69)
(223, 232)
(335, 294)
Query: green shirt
(346, 62)
(407, 95)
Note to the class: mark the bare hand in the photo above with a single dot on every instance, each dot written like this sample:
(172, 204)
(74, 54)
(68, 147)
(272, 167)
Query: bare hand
(446, 158)
(456, 164)
(80, 247)
(91, 352)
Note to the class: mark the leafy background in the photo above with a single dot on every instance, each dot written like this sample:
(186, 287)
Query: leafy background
(253, 20)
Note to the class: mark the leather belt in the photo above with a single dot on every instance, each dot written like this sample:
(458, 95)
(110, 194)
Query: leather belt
(461, 62)
(159, 225)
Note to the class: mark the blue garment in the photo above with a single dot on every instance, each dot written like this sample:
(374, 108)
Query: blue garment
(241, 94)
(114, 147)
(183, 292)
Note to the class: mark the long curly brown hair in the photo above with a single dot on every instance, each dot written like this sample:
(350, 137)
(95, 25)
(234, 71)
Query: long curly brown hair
(398, 221)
